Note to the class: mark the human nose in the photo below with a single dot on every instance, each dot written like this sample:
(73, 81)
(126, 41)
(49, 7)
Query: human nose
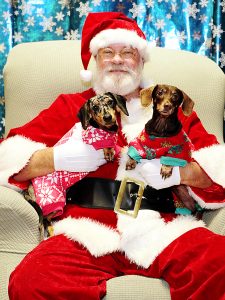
(117, 58)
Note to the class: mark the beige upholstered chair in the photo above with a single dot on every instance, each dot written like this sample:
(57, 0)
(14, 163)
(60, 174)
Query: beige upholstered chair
(35, 73)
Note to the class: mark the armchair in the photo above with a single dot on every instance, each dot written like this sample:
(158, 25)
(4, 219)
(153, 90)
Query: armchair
(34, 75)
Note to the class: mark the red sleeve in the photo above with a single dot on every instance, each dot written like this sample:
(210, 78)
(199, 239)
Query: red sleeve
(195, 131)
(52, 123)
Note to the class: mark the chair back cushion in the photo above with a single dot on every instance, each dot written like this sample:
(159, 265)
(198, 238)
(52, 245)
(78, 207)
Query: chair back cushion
(36, 73)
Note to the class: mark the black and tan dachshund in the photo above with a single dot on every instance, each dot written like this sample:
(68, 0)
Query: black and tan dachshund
(101, 112)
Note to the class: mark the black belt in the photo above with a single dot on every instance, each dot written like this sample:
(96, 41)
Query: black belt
(102, 193)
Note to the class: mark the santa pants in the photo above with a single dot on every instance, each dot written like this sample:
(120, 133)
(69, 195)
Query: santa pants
(59, 269)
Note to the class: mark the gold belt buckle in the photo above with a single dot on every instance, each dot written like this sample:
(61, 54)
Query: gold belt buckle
(120, 195)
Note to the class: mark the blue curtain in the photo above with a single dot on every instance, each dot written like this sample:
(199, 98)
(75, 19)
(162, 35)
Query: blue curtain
(197, 26)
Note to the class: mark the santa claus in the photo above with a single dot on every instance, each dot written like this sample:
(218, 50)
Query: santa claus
(92, 245)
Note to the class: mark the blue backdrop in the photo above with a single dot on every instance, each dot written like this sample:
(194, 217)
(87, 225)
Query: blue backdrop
(197, 26)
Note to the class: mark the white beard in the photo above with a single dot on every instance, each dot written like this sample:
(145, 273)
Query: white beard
(121, 84)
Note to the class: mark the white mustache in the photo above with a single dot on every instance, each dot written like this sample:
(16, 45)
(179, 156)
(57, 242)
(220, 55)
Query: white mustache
(118, 68)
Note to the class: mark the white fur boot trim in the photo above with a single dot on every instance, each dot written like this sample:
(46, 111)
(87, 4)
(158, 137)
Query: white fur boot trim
(15, 153)
(96, 237)
(144, 238)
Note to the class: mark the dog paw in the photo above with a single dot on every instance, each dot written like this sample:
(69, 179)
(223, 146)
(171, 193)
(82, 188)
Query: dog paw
(166, 171)
(109, 154)
(131, 164)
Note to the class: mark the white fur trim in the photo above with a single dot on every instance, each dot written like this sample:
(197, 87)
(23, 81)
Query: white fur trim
(133, 124)
(98, 238)
(119, 36)
(202, 203)
(86, 75)
(141, 239)
(144, 238)
(15, 153)
(212, 160)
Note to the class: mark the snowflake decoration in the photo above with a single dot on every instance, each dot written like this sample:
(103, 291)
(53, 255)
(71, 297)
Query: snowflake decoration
(46, 196)
(96, 2)
(217, 31)
(150, 3)
(203, 3)
(181, 37)
(64, 4)
(222, 60)
(47, 24)
(174, 7)
(26, 8)
(223, 5)
(197, 35)
(208, 43)
(59, 16)
(160, 24)
(192, 10)
(72, 35)
(203, 18)
(18, 37)
(137, 10)
(84, 9)
(40, 12)
(6, 15)
(30, 21)
(59, 31)
(2, 47)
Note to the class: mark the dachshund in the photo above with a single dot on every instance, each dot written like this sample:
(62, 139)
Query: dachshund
(161, 128)
(99, 112)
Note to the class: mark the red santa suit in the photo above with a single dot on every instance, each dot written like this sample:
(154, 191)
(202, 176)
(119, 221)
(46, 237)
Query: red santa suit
(91, 246)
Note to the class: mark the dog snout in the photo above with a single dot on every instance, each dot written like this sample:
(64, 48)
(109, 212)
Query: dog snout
(167, 106)
(107, 118)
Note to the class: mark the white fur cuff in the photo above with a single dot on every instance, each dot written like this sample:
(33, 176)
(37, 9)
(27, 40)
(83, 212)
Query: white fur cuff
(211, 159)
(15, 153)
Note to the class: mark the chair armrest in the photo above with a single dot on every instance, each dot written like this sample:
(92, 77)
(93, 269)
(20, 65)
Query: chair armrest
(18, 223)
(215, 220)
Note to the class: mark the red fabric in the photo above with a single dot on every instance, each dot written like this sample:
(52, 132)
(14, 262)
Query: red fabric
(62, 269)
(150, 147)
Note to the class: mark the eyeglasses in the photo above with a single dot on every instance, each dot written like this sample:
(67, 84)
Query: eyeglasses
(125, 53)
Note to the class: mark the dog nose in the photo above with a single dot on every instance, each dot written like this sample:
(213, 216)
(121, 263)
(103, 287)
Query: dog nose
(107, 118)
(167, 106)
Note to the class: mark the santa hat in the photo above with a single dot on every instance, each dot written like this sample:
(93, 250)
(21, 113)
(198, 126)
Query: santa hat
(106, 28)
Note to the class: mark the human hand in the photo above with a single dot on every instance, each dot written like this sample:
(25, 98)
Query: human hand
(76, 156)
(150, 170)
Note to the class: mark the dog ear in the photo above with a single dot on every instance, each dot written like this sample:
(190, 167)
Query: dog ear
(120, 102)
(146, 95)
(187, 104)
(84, 115)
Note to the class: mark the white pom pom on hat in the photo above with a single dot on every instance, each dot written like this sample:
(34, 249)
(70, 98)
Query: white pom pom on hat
(106, 28)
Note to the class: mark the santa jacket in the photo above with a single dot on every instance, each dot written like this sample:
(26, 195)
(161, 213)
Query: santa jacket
(120, 233)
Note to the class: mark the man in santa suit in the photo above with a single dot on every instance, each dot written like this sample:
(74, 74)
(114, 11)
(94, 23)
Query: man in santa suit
(93, 245)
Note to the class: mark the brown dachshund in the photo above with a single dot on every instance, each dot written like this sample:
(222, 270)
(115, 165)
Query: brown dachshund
(100, 112)
(165, 123)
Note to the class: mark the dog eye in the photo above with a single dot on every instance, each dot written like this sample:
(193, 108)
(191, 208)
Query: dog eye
(110, 103)
(174, 97)
(159, 93)
(95, 108)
